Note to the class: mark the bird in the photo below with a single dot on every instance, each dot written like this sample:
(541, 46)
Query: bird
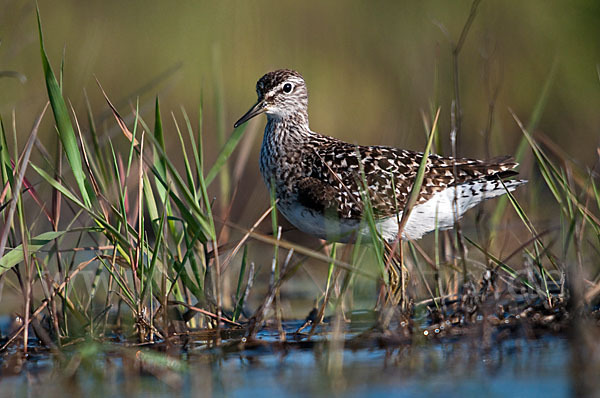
(325, 187)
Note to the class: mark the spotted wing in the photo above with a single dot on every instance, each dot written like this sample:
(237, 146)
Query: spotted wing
(341, 175)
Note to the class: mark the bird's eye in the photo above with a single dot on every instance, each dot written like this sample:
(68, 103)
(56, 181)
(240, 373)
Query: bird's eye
(287, 88)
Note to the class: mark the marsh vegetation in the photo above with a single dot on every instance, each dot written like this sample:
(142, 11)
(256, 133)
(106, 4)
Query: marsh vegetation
(136, 256)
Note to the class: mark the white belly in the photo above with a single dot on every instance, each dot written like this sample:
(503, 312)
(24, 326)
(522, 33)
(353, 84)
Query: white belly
(345, 230)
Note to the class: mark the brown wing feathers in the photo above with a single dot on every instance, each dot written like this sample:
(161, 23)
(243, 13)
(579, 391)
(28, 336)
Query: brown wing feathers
(389, 174)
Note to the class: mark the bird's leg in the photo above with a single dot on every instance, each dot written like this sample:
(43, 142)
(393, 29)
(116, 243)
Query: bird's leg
(398, 277)
(396, 302)
(403, 281)
(331, 276)
(395, 294)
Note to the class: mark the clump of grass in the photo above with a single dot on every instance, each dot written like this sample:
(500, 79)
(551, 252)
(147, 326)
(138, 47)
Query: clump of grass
(152, 233)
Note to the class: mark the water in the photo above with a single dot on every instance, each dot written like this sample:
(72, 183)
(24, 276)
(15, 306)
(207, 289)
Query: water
(454, 367)
(517, 368)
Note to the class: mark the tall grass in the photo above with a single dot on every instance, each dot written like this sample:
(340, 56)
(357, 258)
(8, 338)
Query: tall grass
(150, 230)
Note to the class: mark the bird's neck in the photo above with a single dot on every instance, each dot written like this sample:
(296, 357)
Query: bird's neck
(289, 130)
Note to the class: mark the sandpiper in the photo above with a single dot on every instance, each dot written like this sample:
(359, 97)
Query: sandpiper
(320, 181)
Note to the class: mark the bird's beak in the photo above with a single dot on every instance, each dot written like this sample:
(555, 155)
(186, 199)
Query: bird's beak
(257, 109)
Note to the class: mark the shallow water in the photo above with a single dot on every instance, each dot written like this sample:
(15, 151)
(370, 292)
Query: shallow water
(299, 367)
(515, 368)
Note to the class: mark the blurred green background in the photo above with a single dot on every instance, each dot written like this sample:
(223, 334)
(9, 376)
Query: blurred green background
(371, 66)
(372, 69)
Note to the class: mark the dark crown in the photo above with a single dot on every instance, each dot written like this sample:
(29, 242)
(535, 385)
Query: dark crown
(274, 79)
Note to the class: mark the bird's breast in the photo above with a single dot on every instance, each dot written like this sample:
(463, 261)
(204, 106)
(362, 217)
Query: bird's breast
(279, 166)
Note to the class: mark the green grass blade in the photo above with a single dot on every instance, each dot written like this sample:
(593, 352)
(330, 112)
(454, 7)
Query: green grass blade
(157, 245)
(225, 153)
(190, 130)
(188, 169)
(159, 157)
(330, 267)
(15, 256)
(416, 188)
(151, 206)
(239, 296)
(58, 186)
(63, 122)
(5, 164)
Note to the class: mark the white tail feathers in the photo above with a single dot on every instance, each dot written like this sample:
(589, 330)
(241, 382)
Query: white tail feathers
(447, 206)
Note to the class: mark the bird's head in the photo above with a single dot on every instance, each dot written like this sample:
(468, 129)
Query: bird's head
(281, 94)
